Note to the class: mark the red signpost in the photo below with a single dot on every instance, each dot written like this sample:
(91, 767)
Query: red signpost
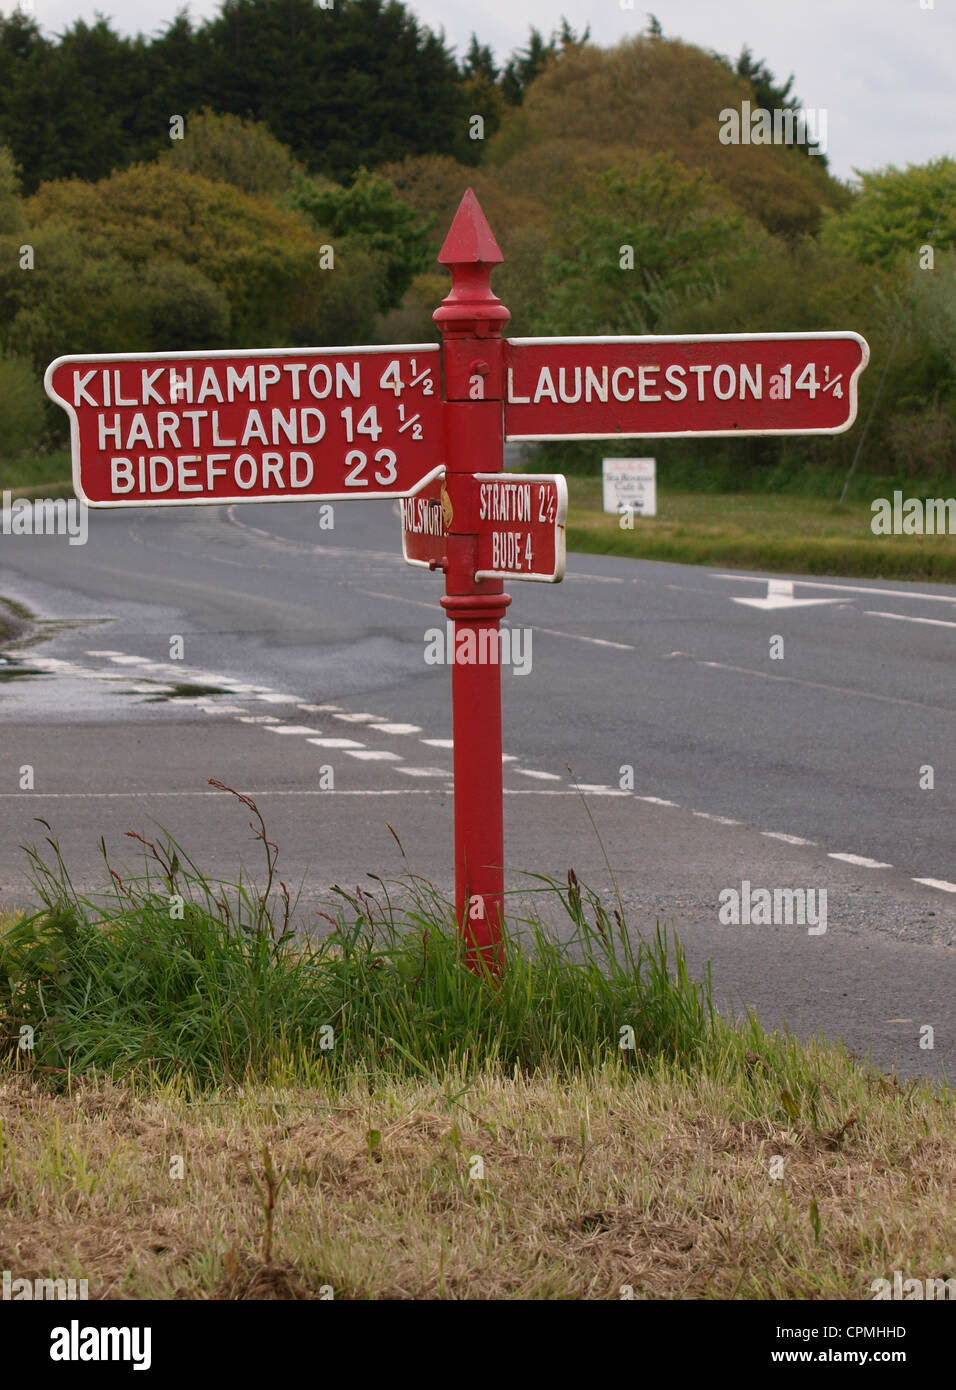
(330, 424)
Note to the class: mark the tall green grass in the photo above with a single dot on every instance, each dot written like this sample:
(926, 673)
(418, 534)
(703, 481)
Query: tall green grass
(175, 974)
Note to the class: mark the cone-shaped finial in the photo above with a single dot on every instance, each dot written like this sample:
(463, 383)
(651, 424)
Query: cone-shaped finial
(470, 252)
(470, 240)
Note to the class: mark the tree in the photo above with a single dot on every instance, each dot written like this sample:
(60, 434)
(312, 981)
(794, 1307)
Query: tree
(11, 212)
(358, 83)
(479, 61)
(768, 93)
(895, 213)
(265, 260)
(371, 216)
(524, 65)
(684, 236)
(227, 149)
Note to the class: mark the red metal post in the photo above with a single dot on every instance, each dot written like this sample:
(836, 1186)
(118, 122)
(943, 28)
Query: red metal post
(471, 319)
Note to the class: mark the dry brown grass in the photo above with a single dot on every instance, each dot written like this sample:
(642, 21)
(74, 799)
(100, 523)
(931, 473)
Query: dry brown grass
(661, 1184)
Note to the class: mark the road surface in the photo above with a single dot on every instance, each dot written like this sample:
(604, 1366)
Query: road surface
(708, 757)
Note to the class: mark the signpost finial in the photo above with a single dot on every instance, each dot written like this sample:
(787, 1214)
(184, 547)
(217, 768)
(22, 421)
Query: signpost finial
(470, 252)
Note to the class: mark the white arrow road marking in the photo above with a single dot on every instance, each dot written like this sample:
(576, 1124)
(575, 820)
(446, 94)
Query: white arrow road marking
(780, 595)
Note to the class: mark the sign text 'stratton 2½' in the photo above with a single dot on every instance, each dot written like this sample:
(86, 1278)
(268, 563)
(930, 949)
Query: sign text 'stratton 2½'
(427, 424)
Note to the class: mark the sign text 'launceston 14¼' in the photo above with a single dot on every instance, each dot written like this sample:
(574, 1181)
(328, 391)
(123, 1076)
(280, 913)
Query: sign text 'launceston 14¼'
(738, 383)
(273, 426)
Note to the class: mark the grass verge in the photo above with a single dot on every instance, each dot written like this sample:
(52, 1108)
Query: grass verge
(783, 532)
(210, 1106)
(671, 1181)
(41, 475)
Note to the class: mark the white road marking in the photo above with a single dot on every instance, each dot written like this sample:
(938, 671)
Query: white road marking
(844, 588)
(277, 699)
(787, 839)
(424, 771)
(907, 618)
(335, 742)
(576, 636)
(861, 860)
(358, 718)
(542, 776)
(104, 653)
(220, 709)
(597, 578)
(656, 800)
(129, 660)
(721, 820)
(258, 719)
(438, 742)
(317, 709)
(397, 728)
(821, 685)
(374, 755)
(780, 595)
(291, 729)
(937, 883)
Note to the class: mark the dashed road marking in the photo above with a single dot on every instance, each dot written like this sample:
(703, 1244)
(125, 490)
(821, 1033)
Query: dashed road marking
(787, 839)
(335, 742)
(937, 883)
(861, 861)
(907, 618)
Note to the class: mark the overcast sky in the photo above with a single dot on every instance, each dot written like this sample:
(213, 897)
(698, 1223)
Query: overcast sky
(883, 70)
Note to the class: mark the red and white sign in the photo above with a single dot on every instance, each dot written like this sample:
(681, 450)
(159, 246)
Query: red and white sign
(743, 383)
(423, 525)
(521, 526)
(277, 426)
(519, 520)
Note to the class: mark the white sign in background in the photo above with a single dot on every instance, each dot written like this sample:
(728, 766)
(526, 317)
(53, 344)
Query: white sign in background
(630, 483)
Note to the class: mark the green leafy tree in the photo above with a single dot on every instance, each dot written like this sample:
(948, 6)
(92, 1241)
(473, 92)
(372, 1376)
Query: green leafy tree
(22, 407)
(896, 213)
(265, 261)
(685, 238)
(11, 212)
(370, 215)
(227, 149)
(359, 83)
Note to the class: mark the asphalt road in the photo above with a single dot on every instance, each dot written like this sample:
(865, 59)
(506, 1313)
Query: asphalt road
(800, 770)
